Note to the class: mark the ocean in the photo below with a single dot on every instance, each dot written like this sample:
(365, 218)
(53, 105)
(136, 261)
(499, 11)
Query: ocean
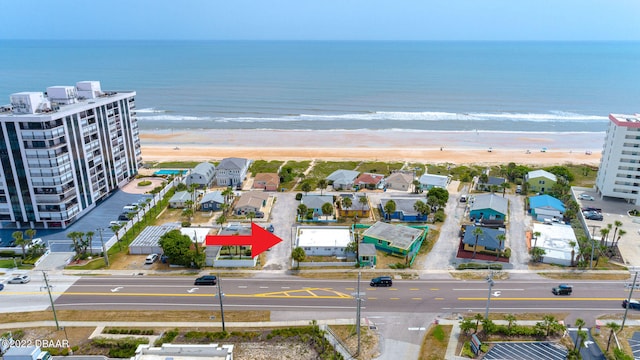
(344, 85)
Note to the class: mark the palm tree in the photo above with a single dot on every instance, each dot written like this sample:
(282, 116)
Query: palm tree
(251, 215)
(116, 229)
(579, 323)
(31, 233)
(75, 236)
(322, 184)
(327, 209)
(501, 238)
(581, 336)
(621, 232)
(511, 319)
(617, 224)
(421, 208)
(478, 317)
(416, 186)
(363, 201)
(504, 186)
(18, 236)
(221, 220)
(302, 211)
(89, 239)
(466, 325)
(604, 234)
(573, 251)
(536, 235)
(306, 187)
(346, 203)
(537, 254)
(389, 208)
(613, 327)
(228, 195)
(548, 322)
(477, 231)
(298, 255)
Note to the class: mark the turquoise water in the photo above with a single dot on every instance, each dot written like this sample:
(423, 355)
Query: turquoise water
(495, 86)
(169, 172)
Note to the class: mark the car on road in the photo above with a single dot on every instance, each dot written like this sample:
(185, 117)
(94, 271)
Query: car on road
(562, 289)
(633, 304)
(586, 197)
(151, 258)
(463, 198)
(22, 279)
(1, 287)
(270, 228)
(206, 280)
(381, 281)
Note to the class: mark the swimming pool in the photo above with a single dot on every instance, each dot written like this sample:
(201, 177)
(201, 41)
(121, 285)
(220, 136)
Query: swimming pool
(169, 172)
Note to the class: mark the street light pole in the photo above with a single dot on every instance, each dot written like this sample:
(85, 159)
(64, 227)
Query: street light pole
(104, 250)
(490, 281)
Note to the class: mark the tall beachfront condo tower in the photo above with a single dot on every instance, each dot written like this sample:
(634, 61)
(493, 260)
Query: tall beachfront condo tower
(63, 151)
(619, 173)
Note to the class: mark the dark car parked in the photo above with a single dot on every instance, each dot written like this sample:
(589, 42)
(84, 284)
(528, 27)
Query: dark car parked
(381, 281)
(206, 280)
(562, 289)
(633, 304)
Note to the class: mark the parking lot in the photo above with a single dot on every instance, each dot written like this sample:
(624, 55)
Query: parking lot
(613, 210)
(98, 218)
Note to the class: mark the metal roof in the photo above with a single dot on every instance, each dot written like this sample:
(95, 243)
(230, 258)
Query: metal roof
(398, 236)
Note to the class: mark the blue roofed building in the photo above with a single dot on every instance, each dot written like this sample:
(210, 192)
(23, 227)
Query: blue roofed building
(544, 207)
(405, 209)
(488, 207)
(489, 241)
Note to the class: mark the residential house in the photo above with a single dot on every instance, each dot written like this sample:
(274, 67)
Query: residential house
(399, 180)
(405, 209)
(492, 182)
(398, 240)
(558, 242)
(179, 199)
(430, 181)
(212, 201)
(367, 255)
(546, 207)
(488, 207)
(324, 240)
(251, 202)
(540, 181)
(202, 175)
(266, 181)
(357, 208)
(232, 172)
(342, 179)
(369, 181)
(314, 202)
(488, 241)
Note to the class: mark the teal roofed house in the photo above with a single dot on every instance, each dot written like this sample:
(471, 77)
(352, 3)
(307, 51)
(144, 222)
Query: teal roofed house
(398, 240)
(543, 207)
(489, 207)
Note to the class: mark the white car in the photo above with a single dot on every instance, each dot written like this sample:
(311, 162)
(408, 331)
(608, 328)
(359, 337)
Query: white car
(586, 197)
(151, 259)
(22, 279)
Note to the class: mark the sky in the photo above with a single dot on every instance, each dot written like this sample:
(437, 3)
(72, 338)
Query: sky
(475, 20)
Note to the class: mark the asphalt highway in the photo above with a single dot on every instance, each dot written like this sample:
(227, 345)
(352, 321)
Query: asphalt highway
(179, 293)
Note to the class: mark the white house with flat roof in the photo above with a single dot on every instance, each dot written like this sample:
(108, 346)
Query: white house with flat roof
(619, 171)
(323, 240)
(555, 239)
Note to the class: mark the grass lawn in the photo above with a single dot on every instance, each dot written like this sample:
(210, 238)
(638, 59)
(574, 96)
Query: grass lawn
(379, 167)
(322, 169)
(435, 342)
(263, 166)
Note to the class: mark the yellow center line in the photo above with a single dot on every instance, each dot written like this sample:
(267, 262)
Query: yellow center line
(416, 298)
(434, 289)
(438, 298)
(414, 289)
(394, 298)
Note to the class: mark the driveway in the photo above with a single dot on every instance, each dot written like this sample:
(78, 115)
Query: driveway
(282, 218)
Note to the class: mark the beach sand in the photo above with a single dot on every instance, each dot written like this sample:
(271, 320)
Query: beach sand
(426, 147)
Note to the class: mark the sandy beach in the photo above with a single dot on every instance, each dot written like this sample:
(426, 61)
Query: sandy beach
(427, 147)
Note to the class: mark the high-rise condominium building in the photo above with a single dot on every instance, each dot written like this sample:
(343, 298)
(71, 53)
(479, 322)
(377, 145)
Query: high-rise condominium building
(619, 173)
(63, 151)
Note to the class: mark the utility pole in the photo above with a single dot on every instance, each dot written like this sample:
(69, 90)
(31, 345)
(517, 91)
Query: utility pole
(491, 283)
(626, 309)
(46, 283)
(220, 295)
(104, 250)
(359, 299)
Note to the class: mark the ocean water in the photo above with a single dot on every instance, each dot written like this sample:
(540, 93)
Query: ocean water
(307, 85)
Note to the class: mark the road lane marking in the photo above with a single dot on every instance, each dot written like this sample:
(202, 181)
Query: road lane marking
(537, 299)
(434, 289)
(394, 298)
(414, 289)
(439, 298)
(416, 298)
(416, 329)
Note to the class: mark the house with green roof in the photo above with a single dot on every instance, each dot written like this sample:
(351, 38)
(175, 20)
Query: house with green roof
(398, 240)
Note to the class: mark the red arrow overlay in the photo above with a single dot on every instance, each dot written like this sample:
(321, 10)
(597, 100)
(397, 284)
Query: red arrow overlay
(259, 240)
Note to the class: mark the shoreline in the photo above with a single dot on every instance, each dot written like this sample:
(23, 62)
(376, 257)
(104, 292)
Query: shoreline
(446, 147)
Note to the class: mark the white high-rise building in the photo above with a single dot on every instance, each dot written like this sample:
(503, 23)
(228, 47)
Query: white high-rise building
(619, 173)
(63, 151)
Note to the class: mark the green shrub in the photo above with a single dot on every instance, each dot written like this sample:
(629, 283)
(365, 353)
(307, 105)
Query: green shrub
(299, 196)
(144, 183)
(439, 216)
(8, 254)
(167, 337)
(186, 224)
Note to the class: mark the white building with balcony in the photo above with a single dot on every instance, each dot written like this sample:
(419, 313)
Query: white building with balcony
(64, 150)
(619, 172)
